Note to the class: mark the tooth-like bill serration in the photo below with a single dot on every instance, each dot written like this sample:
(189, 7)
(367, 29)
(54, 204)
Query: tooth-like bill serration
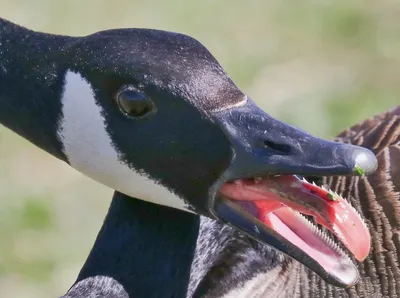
(321, 234)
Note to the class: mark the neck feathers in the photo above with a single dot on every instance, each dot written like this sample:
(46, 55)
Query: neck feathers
(31, 84)
(145, 247)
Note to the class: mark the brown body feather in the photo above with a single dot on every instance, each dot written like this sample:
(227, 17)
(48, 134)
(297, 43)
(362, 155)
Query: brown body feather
(377, 198)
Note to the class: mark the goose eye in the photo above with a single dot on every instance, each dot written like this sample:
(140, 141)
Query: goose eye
(134, 103)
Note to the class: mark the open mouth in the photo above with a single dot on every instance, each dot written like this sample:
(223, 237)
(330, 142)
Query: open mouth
(278, 203)
(273, 207)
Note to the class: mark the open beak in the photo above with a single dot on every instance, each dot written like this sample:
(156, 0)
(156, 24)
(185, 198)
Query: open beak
(262, 195)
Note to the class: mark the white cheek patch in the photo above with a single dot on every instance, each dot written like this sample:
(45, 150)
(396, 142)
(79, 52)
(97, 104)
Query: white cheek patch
(90, 150)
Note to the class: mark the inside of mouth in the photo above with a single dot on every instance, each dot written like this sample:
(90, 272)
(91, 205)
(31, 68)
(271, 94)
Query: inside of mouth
(279, 202)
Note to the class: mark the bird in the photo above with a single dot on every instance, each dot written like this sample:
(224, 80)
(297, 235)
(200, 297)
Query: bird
(154, 116)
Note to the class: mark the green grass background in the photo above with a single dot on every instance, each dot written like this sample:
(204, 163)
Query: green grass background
(320, 65)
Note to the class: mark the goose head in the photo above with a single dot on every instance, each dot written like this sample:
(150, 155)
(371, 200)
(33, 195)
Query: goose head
(153, 115)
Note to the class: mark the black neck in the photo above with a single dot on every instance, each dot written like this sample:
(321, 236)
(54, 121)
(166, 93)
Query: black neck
(145, 247)
(30, 84)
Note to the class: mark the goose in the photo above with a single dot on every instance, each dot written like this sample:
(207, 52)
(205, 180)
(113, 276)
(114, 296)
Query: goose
(153, 115)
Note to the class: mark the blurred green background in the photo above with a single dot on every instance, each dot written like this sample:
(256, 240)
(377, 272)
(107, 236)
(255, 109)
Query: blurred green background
(320, 65)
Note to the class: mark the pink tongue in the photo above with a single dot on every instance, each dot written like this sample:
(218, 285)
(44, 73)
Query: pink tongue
(291, 226)
(330, 210)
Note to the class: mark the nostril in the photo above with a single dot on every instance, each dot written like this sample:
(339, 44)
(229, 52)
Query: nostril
(282, 148)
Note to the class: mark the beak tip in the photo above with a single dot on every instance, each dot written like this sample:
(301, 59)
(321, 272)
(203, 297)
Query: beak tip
(365, 161)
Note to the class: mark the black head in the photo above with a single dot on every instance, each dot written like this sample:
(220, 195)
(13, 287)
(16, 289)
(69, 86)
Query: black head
(156, 92)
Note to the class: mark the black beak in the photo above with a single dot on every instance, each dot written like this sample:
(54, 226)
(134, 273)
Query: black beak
(265, 146)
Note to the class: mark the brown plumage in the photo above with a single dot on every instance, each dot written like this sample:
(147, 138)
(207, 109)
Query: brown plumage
(377, 198)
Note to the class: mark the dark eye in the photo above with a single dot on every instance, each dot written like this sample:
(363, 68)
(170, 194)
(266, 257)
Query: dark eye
(134, 103)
